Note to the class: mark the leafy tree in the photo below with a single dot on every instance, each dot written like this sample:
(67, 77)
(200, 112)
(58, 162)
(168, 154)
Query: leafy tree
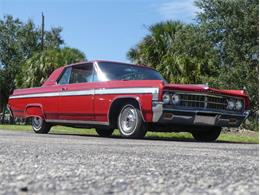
(180, 52)
(53, 38)
(19, 41)
(38, 68)
(156, 45)
(232, 27)
(197, 59)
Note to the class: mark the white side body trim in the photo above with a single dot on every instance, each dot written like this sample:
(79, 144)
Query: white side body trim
(36, 95)
(136, 90)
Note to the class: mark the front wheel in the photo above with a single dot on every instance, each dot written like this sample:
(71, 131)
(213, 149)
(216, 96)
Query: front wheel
(130, 122)
(39, 125)
(209, 135)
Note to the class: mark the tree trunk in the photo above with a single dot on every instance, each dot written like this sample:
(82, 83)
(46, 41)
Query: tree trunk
(3, 115)
(1, 102)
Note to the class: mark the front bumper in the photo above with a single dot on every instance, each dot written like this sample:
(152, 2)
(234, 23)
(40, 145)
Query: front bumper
(196, 117)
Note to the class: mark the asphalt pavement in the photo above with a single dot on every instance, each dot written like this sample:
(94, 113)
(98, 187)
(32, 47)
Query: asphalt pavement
(72, 164)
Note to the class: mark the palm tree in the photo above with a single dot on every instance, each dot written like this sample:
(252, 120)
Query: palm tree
(177, 50)
(38, 68)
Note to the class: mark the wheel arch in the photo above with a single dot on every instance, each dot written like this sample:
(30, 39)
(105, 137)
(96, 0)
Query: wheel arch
(118, 103)
(32, 110)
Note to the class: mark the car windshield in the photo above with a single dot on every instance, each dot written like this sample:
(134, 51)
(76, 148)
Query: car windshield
(119, 71)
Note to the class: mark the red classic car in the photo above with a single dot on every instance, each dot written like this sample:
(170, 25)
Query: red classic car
(107, 95)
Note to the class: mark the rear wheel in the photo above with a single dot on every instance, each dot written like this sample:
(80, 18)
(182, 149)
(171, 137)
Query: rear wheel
(208, 135)
(39, 125)
(130, 122)
(104, 132)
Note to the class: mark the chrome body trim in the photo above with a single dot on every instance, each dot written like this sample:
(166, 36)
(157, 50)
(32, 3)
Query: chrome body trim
(36, 95)
(77, 93)
(245, 113)
(157, 109)
(195, 117)
(130, 90)
(217, 95)
(206, 101)
(77, 122)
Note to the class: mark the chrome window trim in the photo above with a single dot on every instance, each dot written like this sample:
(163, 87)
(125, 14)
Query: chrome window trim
(71, 67)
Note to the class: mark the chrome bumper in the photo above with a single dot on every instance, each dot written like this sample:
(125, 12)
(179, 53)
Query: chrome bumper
(196, 117)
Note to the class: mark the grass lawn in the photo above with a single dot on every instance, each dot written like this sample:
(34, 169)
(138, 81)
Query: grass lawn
(225, 137)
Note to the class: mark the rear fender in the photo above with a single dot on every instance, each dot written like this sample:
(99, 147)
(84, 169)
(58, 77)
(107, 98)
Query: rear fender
(32, 110)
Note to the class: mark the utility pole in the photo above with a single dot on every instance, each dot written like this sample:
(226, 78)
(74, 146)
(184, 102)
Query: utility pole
(42, 39)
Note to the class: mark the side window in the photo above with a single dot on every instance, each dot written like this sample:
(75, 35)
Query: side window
(64, 79)
(81, 73)
(95, 76)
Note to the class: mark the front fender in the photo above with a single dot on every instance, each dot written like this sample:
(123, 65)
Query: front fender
(144, 102)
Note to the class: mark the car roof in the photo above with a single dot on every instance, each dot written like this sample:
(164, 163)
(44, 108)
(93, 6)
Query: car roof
(109, 61)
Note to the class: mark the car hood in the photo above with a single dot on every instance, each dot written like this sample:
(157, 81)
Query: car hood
(205, 89)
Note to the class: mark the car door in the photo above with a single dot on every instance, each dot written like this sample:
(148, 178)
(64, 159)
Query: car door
(77, 94)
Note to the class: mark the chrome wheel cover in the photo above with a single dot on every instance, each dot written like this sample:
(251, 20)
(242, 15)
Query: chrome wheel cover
(37, 123)
(128, 120)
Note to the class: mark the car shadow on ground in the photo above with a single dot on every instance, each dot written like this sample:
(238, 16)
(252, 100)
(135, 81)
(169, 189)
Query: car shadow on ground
(148, 138)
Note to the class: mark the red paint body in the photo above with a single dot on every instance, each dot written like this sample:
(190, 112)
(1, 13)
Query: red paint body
(95, 107)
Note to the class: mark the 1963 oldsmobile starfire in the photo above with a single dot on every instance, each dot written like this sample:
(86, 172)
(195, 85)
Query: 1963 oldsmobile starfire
(108, 95)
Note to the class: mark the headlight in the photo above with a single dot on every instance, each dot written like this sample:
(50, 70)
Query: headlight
(166, 98)
(239, 105)
(231, 105)
(175, 99)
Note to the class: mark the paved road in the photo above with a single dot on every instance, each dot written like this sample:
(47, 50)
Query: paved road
(67, 164)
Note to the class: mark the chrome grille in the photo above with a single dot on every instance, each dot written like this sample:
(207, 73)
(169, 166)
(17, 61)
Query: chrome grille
(203, 101)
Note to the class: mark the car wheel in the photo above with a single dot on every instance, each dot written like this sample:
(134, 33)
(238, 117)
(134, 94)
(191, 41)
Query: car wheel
(104, 132)
(208, 135)
(130, 122)
(39, 125)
